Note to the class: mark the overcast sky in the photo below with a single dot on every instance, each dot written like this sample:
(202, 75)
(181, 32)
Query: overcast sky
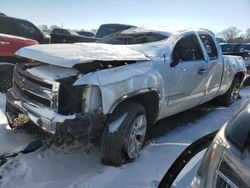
(215, 15)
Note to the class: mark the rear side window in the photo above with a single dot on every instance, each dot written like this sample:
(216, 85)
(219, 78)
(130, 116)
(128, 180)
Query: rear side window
(187, 49)
(26, 29)
(209, 46)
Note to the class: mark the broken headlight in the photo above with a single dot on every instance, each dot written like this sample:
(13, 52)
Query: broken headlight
(91, 99)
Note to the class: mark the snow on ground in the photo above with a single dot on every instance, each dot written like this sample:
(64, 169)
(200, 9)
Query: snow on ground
(74, 167)
(9, 140)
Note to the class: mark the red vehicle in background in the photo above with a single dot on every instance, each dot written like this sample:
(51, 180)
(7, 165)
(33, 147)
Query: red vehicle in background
(9, 44)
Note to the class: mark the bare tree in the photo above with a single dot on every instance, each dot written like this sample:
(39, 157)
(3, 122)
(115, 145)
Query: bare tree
(93, 30)
(230, 34)
(247, 36)
(54, 26)
(43, 27)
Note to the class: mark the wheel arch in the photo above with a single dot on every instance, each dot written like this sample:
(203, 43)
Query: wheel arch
(149, 98)
(240, 76)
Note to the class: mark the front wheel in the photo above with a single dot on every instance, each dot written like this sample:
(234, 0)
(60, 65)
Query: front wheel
(124, 134)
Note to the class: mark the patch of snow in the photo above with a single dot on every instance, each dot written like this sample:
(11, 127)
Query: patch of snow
(2, 100)
(3, 119)
(10, 141)
(114, 125)
(186, 176)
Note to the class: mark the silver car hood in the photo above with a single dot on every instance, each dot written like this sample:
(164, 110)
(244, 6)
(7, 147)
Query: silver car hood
(68, 55)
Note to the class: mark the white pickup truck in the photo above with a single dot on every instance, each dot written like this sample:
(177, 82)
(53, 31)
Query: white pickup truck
(120, 88)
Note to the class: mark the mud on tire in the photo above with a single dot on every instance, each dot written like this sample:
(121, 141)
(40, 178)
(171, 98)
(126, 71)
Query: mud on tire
(122, 129)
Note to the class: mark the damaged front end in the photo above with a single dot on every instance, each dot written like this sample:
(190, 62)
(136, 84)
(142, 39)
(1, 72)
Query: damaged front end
(71, 88)
(51, 101)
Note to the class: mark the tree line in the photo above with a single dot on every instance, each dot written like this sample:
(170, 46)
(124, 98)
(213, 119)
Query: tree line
(45, 27)
(235, 35)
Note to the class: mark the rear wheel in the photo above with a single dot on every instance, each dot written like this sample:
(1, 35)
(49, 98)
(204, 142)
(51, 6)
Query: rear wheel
(124, 134)
(232, 94)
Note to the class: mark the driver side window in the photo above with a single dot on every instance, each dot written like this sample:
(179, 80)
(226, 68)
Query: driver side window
(187, 49)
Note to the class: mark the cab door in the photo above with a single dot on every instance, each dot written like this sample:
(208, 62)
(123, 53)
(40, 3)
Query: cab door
(186, 76)
(214, 65)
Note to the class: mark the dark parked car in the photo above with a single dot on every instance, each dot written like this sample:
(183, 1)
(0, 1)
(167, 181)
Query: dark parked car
(235, 47)
(59, 35)
(226, 162)
(22, 28)
(86, 33)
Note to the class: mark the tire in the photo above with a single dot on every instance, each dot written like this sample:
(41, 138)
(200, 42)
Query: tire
(232, 94)
(6, 72)
(122, 144)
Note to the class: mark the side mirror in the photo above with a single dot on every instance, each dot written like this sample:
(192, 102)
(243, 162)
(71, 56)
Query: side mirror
(176, 59)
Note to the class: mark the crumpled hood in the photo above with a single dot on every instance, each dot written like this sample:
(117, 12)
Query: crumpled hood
(68, 55)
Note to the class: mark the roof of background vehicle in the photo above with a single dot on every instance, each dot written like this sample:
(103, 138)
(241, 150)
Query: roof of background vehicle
(13, 18)
(167, 31)
(118, 24)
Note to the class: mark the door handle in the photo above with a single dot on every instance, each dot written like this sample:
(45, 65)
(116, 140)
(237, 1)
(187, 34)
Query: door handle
(202, 71)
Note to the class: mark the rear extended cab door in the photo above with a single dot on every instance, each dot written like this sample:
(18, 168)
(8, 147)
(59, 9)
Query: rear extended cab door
(214, 61)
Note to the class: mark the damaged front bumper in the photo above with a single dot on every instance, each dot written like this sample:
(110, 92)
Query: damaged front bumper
(50, 121)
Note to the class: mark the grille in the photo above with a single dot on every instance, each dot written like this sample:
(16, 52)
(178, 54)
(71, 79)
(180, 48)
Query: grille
(226, 177)
(223, 182)
(35, 90)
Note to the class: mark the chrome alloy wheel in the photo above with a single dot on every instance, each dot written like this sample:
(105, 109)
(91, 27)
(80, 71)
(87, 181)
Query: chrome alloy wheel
(137, 136)
(235, 92)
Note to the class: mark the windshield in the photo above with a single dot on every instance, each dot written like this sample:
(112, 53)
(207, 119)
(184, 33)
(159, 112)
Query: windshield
(127, 39)
(72, 32)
